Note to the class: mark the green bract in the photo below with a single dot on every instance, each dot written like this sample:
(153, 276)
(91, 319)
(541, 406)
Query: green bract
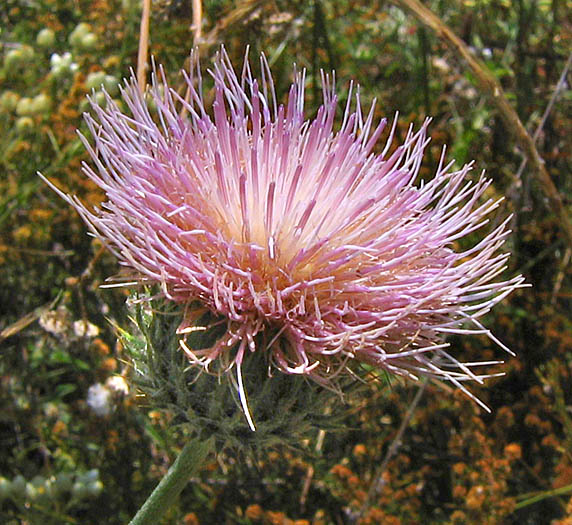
(284, 408)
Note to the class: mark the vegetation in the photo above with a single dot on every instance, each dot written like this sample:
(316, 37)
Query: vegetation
(80, 446)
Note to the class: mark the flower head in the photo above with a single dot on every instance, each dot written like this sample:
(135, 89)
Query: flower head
(300, 238)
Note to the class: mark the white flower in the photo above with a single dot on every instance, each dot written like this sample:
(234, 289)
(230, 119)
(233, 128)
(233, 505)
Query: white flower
(99, 399)
(85, 329)
(117, 385)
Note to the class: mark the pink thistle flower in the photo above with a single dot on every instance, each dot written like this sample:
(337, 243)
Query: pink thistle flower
(302, 240)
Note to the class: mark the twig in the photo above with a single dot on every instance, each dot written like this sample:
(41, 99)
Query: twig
(40, 253)
(306, 487)
(559, 86)
(197, 22)
(561, 272)
(86, 274)
(378, 482)
(196, 27)
(28, 319)
(241, 12)
(310, 471)
(143, 46)
(489, 85)
(544, 495)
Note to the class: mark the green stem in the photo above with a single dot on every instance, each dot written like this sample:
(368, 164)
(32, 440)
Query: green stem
(543, 495)
(186, 465)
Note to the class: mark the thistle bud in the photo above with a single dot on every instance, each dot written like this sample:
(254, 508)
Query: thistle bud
(18, 487)
(111, 85)
(9, 101)
(94, 488)
(76, 36)
(4, 489)
(46, 38)
(95, 80)
(79, 490)
(24, 125)
(18, 57)
(63, 483)
(24, 107)
(41, 103)
(88, 42)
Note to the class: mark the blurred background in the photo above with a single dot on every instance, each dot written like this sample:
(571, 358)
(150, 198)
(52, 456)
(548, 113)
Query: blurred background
(79, 446)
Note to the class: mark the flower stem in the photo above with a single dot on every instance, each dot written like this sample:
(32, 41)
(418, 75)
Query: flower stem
(187, 464)
(560, 491)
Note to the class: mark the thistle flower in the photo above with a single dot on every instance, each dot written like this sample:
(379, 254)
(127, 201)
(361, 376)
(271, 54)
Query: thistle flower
(302, 241)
